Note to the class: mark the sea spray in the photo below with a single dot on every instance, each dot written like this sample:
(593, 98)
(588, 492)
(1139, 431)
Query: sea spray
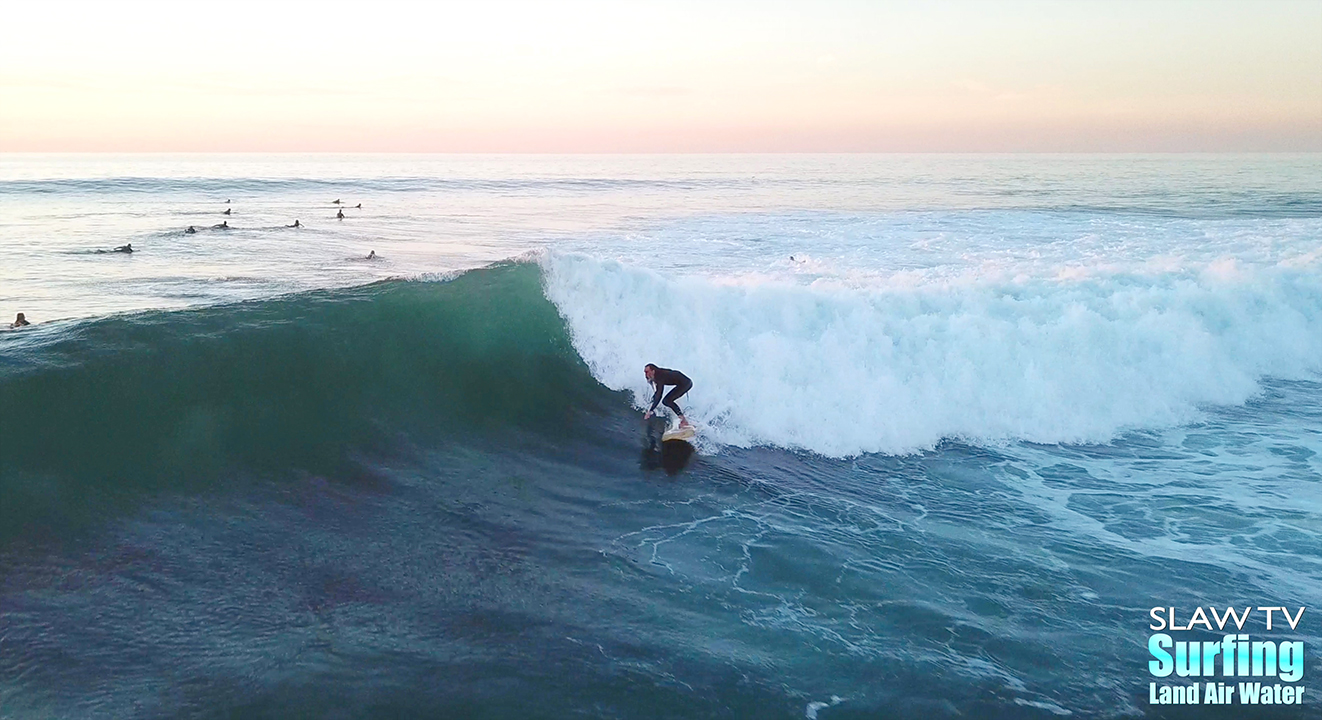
(843, 370)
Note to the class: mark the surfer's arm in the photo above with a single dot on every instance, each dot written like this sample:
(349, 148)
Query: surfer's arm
(656, 397)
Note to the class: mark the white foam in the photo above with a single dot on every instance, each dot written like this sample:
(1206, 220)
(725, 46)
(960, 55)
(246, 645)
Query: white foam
(897, 367)
(813, 707)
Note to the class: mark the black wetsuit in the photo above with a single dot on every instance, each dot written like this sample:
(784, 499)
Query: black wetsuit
(662, 377)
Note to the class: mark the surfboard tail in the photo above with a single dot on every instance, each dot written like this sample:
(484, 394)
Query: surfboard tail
(681, 433)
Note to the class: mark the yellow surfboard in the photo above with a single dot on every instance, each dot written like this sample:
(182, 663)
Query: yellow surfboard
(680, 433)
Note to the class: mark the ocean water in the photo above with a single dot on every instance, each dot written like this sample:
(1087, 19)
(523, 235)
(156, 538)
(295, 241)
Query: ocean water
(964, 420)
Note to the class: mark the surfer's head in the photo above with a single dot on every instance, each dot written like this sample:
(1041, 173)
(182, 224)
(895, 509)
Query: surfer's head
(649, 370)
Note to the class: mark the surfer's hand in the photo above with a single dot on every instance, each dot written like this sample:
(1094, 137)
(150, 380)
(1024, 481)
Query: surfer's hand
(647, 415)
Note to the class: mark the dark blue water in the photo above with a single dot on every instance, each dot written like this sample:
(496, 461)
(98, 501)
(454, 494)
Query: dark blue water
(948, 461)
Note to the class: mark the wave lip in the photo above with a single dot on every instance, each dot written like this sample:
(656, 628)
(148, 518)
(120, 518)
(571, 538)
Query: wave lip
(843, 372)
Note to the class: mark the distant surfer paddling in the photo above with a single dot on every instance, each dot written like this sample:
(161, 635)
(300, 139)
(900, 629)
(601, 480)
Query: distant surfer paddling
(661, 377)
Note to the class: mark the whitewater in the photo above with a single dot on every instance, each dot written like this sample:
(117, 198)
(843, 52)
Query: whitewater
(964, 419)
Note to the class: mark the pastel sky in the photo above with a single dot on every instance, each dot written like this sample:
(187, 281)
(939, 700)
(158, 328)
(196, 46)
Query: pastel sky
(621, 76)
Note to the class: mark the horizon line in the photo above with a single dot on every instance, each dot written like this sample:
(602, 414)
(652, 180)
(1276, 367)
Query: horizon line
(662, 153)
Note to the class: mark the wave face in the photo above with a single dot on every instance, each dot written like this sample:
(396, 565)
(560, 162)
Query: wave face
(105, 409)
(901, 366)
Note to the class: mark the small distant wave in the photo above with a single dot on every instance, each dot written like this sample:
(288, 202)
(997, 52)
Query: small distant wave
(1208, 204)
(230, 187)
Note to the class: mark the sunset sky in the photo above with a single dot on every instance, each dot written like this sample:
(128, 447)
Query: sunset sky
(662, 76)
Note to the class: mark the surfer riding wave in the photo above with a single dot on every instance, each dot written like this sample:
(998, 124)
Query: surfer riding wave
(661, 377)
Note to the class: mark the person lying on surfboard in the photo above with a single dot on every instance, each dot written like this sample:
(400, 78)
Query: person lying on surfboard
(661, 377)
